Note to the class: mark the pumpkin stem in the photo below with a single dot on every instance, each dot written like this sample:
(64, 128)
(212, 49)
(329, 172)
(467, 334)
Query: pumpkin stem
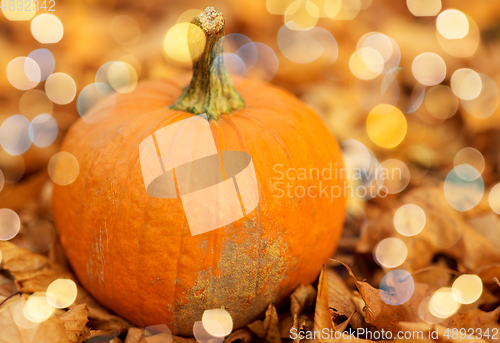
(211, 90)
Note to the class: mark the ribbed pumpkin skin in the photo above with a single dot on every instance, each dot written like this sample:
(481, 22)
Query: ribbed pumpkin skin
(135, 254)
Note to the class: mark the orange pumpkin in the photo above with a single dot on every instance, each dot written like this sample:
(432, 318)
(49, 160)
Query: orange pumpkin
(135, 253)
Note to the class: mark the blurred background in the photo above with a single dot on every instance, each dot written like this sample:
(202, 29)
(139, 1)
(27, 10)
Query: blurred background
(411, 86)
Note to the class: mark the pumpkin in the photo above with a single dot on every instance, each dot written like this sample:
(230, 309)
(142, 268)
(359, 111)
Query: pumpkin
(136, 254)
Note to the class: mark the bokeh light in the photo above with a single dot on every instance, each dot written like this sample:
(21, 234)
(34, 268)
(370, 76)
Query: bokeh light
(23, 73)
(425, 314)
(396, 287)
(19, 316)
(157, 333)
(442, 303)
(420, 157)
(20, 13)
(47, 28)
(467, 288)
(37, 309)
(390, 252)
(409, 219)
(125, 30)
(316, 41)
(60, 88)
(429, 68)
(466, 84)
(386, 126)
(266, 63)
(215, 320)
(10, 224)
(301, 15)
(494, 198)
(464, 47)
(416, 98)
(384, 45)
(342, 9)
(14, 135)
(486, 103)
(471, 157)
(463, 187)
(188, 15)
(394, 175)
(203, 336)
(384, 89)
(35, 102)
(43, 130)
(366, 63)
(120, 76)
(184, 42)
(45, 60)
(452, 24)
(63, 168)
(90, 96)
(440, 102)
(234, 64)
(276, 6)
(61, 293)
(424, 8)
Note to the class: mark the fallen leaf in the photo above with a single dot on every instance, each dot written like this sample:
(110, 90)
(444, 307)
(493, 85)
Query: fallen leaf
(75, 321)
(50, 331)
(301, 298)
(34, 273)
(339, 300)
(322, 314)
(489, 272)
(383, 315)
(134, 335)
(475, 319)
(268, 329)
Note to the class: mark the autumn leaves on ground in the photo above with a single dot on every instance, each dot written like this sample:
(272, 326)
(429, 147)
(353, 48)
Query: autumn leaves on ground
(351, 294)
(334, 304)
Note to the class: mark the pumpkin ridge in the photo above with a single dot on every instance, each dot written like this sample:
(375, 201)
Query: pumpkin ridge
(161, 123)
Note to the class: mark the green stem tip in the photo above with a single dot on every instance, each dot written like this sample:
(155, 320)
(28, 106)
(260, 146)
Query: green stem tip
(211, 90)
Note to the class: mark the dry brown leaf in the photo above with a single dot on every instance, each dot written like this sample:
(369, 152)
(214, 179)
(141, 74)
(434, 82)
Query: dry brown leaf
(377, 312)
(50, 331)
(342, 326)
(301, 298)
(446, 231)
(322, 314)
(488, 273)
(134, 335)
(75, 321)
(243, 335)
(339, 299)
(268, 329)
(34, 273)
(475, 319)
